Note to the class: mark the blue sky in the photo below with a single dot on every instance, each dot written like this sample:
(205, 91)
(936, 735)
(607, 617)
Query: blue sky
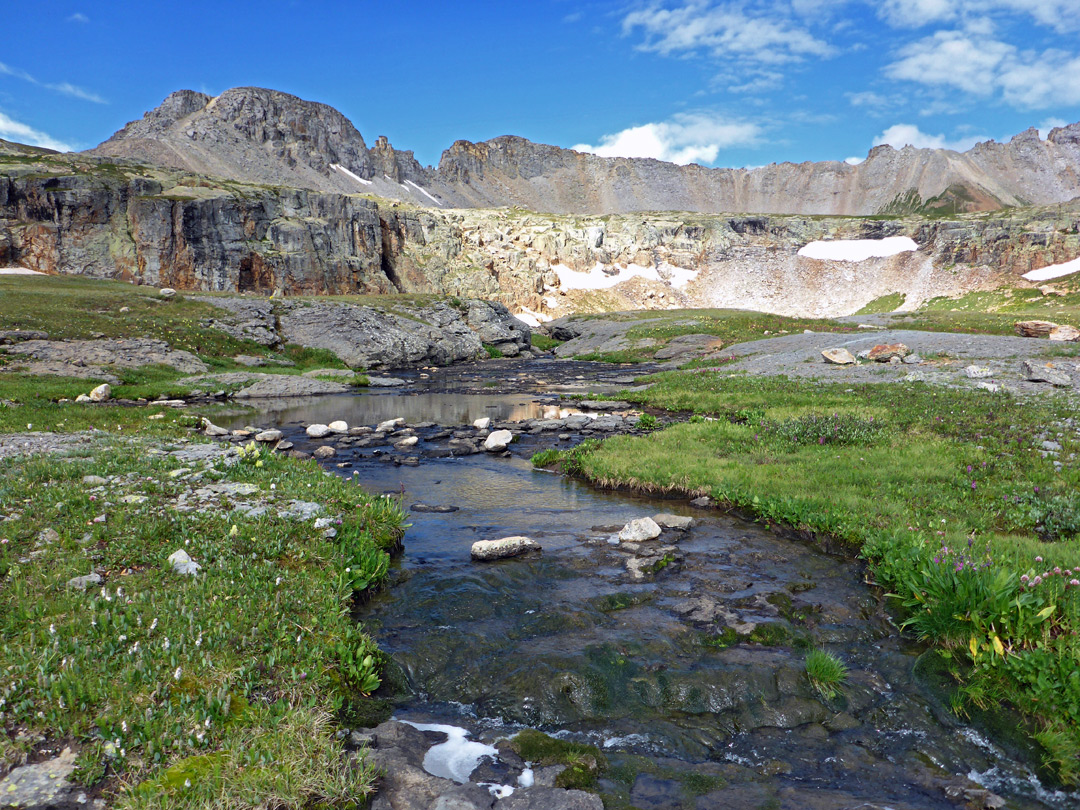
(716, 83)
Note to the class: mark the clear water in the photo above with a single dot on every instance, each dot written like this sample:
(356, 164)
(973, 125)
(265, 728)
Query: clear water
(567, 642)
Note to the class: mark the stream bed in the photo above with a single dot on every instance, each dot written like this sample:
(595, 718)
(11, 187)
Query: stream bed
(688, 673)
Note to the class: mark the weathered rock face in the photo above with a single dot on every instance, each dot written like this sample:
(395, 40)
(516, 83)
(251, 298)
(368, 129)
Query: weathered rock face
(367, 338)
(86, 216)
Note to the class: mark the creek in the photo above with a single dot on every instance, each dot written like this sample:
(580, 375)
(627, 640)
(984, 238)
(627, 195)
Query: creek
(571, 643)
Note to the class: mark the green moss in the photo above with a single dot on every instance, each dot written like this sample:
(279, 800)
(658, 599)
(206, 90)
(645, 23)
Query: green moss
(584, 763)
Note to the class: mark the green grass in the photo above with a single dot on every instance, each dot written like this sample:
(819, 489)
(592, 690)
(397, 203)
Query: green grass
(826, 673)
(231, 676)
(943, 491)
(729, 325)
(886, 303)
(544, 342)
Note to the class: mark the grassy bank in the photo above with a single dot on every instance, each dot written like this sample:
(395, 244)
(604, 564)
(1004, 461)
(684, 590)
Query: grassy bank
(946, 493)
(218, 689)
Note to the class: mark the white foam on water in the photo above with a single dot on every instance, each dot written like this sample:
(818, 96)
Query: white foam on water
(424, 191)
(19, 271)
(526, 778)
(858, 250)
(457, 757)
(345, 171)
(1054, 271)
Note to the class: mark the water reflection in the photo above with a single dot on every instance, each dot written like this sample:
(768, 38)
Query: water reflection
(370, 409)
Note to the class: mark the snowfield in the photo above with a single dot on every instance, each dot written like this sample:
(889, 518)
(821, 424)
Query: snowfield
(597, 279)
(1054, 271)
(858, 250)
(18, 271)
(343, 170)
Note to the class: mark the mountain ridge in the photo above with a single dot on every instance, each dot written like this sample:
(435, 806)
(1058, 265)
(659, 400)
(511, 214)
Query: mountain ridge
(256, 135)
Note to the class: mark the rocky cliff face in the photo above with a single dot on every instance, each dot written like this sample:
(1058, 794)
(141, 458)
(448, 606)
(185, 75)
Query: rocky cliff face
(88, 216)
(262, 136)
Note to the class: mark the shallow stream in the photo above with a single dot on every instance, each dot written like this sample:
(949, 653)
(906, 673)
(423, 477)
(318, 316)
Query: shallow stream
(570, 643)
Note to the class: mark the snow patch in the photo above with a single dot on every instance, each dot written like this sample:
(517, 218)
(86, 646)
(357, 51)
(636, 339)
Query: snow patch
(858, 250)
(457, 757)
(19, 271)
(424, 191)
(343, 170)
(531, 318)
(1051, 271)
(602, 277)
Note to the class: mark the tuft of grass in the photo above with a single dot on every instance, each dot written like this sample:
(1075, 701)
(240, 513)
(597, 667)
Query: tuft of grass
(584, 763)
(826, 673)
(544, 342)
(492, 351)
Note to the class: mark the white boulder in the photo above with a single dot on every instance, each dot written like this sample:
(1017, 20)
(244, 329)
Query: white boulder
(485, 550)
(638, 530)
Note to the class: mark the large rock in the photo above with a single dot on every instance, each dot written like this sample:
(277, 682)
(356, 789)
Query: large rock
(883, 353)
(486, 550)
(366, 338)
(42, 785)
(1038, 329)
(498, 440)
(838, 357)
(1064, 333)
(1034, 371)
(101, 394)
(93, 358)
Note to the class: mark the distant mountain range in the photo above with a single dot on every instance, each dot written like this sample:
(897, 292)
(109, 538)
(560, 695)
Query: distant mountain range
(260, 136)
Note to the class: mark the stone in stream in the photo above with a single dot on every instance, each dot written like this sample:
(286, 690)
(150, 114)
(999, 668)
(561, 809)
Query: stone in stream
(638, 530)
(486, 550)
(498, 440)
(389, 425)
(408, 441)
(668, 521)
(704, 502)
(1033, 371)
(339, 426)
(268, 436)
(385, 382)
(483, 423)
(423, 507)
(326, 451)
(838, 357)
(317, 431)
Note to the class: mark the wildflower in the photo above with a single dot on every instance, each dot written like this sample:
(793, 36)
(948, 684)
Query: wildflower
(973, 485)
(153, 625)
(123, 726)
(969, 468)
(1038, 559)
(177, 673)
(234, 531)
(1037, 580)
(1024, 578)
(1074, 582)
(52, 629)
(165, 644)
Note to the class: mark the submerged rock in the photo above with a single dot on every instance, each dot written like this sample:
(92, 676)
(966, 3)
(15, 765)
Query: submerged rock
(669, 521)
(504, 547)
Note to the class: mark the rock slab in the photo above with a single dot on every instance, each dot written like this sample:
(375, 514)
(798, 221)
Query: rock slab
(486, 550)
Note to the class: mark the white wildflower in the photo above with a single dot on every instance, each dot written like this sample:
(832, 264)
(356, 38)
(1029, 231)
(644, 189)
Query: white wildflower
(176, 675)
(165, 643)
(52, 629)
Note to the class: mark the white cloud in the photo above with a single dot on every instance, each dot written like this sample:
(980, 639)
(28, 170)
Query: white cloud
(686, 138)
(983, 67)
(78, 17)
(66, 88)
(13, 130)
(725, 31)
(1049, 124)
(853, 161)
(1058, 14)
(900, 135)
